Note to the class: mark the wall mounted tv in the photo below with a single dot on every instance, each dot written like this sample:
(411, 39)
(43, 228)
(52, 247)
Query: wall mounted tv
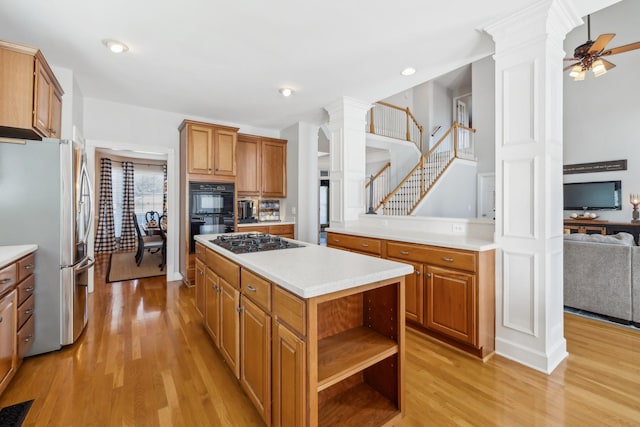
(603, 195)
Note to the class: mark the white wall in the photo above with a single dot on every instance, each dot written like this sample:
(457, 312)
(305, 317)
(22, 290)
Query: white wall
(441, 201)
(601, 114)
(291, 135)
(484, 116)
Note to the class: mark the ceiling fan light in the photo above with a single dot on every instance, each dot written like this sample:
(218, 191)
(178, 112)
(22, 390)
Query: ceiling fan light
(575, 71)
(598, 68)
(579, 76)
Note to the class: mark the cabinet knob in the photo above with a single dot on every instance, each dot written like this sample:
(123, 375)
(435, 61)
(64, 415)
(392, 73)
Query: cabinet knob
(428, 275)
(417, 273)
(238, 309)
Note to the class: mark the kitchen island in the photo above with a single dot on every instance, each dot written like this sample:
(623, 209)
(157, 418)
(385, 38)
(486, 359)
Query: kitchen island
(314, 335)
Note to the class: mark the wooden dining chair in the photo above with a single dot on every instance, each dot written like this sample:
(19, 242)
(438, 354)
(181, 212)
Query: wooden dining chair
(162, 227)
(149, 243)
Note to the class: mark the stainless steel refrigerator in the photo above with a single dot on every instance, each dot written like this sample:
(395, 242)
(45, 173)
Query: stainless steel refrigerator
(46, 199)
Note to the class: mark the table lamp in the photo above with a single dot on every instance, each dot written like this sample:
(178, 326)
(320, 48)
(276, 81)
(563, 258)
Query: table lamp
(634, 199)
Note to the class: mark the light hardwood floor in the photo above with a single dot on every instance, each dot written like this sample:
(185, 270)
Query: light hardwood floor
(145, 360)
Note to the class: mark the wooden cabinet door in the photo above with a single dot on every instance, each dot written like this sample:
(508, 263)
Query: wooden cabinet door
(56, 114)
(273, 165)
(201, 301)
(212, 307)
(450, 303)
(199, 149)
(230, 325)
(288, 369)
(414, 292)
(42, 99)
(255, 369)
(224, 152)
(248, 166)
(8, 331)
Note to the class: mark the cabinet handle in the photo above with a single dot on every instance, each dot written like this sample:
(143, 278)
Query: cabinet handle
(251, 288)
(417, 273)
(5, 280)
(336, 240)
(29, 267)
(201, 272)
(404, 252)
(28, 338)
(238, 309)
(365, 245)
(447, 259)
(28, 311)
(428, 275)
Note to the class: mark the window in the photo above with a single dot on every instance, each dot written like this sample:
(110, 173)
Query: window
(148, 190)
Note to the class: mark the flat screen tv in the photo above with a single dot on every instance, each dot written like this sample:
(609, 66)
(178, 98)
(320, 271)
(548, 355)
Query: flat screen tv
(603, 195)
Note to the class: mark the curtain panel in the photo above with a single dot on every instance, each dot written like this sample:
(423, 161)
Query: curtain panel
(128, 234)
(105, 233)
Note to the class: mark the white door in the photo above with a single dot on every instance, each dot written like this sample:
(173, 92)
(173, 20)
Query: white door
(487, 195)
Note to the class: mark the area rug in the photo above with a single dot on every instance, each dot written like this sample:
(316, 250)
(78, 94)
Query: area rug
(122, 266)
(14, 415)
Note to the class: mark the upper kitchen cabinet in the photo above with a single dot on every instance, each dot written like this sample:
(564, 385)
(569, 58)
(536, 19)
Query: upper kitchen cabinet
(31, 101)
(262, 166)
(209, 150)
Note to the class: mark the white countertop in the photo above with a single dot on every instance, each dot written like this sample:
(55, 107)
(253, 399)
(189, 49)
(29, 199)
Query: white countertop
(9, 254)
(313, 270)
(266, 223)
(456, 241)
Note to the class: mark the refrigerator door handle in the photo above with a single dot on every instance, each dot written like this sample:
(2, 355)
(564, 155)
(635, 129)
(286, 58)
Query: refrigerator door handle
(90, 262)
(85, 177)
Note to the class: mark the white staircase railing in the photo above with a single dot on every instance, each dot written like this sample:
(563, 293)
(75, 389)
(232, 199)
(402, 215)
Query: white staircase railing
(380, 188)
(456, 142)
(395, 122)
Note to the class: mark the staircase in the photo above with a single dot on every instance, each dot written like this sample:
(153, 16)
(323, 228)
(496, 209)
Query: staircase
(457, 142)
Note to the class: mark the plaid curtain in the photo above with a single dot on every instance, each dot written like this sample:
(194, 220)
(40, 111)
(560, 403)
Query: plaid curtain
(105, 234)
(128, 235)
(164, 191)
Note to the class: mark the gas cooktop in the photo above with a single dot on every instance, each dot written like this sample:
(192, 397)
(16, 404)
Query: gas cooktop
(252, 242)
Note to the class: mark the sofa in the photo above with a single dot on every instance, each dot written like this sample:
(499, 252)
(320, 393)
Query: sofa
(602, 275)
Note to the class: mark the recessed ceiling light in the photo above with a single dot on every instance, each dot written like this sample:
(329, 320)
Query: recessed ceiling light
(286, 91)
(115, 46)
(408, 71)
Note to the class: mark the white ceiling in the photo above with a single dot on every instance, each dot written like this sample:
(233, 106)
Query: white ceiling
(226, 59)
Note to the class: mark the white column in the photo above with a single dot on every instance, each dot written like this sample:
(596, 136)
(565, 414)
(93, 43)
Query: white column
(308, 222)
(529, 282)
(348, 159)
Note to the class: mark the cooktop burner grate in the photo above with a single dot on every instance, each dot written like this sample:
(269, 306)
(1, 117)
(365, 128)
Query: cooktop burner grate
(253, 242)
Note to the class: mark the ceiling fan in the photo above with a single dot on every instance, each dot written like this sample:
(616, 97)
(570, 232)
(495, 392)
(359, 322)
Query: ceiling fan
(589, 55)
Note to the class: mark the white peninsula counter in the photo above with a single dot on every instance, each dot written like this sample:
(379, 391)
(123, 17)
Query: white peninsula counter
(315, 335)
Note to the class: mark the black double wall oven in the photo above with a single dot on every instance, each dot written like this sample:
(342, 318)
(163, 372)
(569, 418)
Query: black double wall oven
(210, 209)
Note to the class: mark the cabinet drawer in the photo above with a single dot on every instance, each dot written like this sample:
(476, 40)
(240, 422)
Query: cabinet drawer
(25, 310)
(256, 288)
(357, 243)
(26, 288)
(200, 251)
(8, 278)
(463, 260)
(254, 229)
(224, 268)
(26, 266)
(290, 309)
(26, 336)
(279, 230)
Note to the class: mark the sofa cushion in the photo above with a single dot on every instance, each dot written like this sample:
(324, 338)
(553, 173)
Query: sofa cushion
(614, 239)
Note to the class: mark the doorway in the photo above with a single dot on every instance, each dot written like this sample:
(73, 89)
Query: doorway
(323, 206)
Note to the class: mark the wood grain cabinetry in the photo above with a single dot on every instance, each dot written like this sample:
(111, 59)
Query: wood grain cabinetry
(282, 230)
(31, 106)
(17, 303)
(262, 166)
(230, 325)
(207, 154)
(212, 306)
(450, 294)
(289, 377)
(200, 286)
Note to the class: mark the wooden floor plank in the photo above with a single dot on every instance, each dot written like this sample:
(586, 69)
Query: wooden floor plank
(145, 360)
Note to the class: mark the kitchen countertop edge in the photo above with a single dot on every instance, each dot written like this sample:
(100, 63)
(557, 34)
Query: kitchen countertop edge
(422, 238)
(266, 223)
(267, 264)
(9, 254)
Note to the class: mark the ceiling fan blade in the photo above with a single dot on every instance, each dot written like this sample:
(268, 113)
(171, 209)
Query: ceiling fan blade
(620, 49)
(568, 67)
(600, 43)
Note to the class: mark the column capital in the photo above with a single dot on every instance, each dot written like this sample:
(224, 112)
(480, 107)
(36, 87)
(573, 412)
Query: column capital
(346, 109)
